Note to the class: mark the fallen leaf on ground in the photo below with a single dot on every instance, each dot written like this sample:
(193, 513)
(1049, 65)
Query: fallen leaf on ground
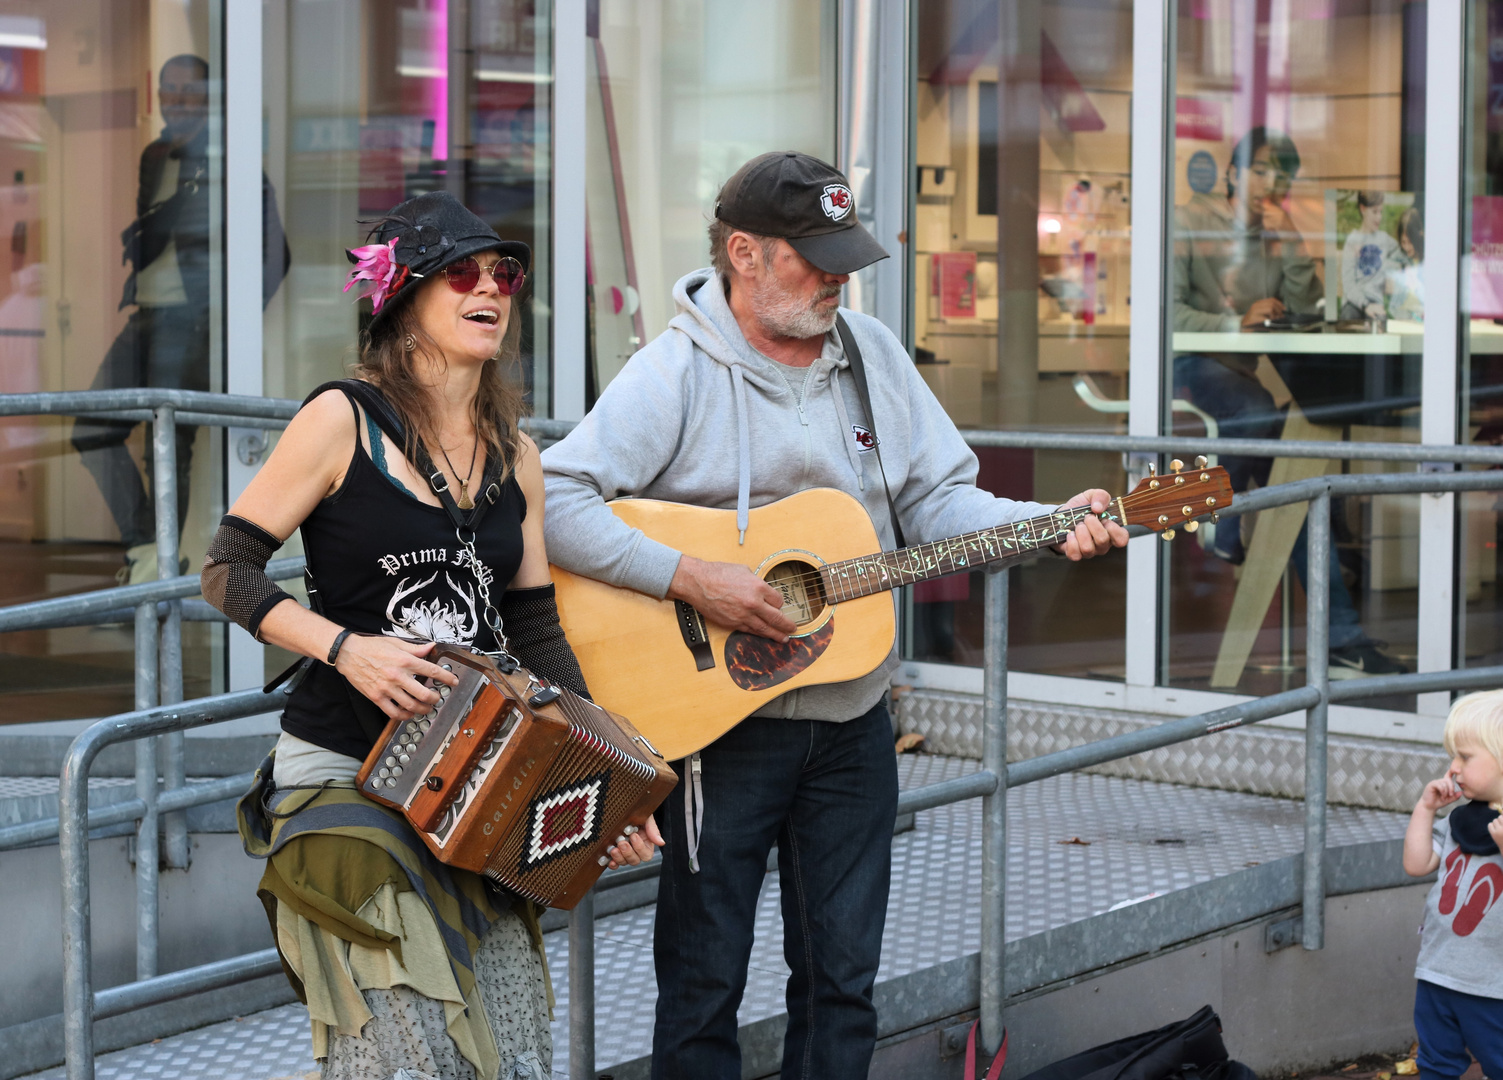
(1075, 840)
(1384, 1076)
(1407, 1067)
(908, 743)
(1349, 1068)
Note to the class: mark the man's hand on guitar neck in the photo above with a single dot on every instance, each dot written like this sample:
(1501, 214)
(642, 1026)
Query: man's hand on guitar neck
(1092, 536)
(728, 594)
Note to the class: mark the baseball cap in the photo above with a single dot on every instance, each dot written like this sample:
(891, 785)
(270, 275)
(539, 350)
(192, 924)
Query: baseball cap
(803, 200)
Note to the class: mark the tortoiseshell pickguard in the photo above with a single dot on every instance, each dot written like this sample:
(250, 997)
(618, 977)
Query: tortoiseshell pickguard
(759, 663)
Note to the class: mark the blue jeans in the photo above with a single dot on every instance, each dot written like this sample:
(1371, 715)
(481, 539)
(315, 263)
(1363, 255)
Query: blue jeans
(1449, 1023)
(826, 794)
(1245, 410)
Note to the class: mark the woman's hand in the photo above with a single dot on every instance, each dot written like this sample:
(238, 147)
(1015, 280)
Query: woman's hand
(388, 671)
(1495, 830)
(636, 848)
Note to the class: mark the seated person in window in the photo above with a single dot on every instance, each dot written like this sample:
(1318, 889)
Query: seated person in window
(1238, 263)
(1366, 257)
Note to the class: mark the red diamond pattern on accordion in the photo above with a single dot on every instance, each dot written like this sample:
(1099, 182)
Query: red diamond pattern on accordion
(564, 819)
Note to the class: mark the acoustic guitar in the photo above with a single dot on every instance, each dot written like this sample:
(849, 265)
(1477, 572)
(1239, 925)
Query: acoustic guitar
(684, 682)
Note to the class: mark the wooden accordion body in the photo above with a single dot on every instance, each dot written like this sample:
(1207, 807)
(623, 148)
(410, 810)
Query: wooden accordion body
(524, 782)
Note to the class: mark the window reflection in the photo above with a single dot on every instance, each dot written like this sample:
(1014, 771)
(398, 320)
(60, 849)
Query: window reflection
(1296, 305)
(680, 94)
(1021, 305)
(1479, 639)
(108, 211)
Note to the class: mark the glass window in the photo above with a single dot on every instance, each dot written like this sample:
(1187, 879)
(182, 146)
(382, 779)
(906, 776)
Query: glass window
(111, 207)
(1480, 632)
(369, 104)
(1021, 251)
(373, 103)
(680, 94)
(1295, 313)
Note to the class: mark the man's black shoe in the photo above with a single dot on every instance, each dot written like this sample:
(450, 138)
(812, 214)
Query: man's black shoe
(1361, 659)
(1228, 544)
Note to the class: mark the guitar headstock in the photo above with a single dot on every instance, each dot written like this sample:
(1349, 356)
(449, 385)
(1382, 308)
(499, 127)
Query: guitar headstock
(1178, 498)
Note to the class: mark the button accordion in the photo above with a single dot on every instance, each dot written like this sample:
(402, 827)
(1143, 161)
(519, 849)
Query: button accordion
(523, 782)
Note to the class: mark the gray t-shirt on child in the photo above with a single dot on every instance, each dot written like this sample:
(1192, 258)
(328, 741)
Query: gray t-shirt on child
(1460, 941)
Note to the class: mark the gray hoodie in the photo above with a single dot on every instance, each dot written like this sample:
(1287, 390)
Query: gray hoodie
(699, 416)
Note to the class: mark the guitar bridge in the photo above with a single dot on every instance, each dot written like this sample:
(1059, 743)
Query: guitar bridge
(691, 624)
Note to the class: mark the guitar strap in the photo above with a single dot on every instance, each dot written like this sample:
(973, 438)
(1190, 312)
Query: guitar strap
(858, 373)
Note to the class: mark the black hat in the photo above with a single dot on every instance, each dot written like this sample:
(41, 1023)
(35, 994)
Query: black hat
(800, 199)
(430, 232)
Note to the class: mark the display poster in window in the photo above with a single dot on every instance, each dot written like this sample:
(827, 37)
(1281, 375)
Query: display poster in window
(1376, 246)
(955, 283)
(1487, 257)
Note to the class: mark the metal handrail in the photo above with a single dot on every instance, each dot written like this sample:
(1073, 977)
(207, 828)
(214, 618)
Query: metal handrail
(158, 610)
(990, 783)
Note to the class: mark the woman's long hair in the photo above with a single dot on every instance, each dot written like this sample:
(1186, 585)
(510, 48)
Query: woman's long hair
(498, 406)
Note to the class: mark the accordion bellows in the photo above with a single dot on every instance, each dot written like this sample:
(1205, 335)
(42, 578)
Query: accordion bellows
(509, 777)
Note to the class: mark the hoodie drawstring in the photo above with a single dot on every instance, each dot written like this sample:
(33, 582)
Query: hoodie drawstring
(847, 432)
(743, 483)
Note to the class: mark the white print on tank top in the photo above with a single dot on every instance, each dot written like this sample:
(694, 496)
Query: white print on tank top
(450, 616)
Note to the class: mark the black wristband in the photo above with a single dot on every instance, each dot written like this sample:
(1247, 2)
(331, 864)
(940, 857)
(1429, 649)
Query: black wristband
(338, 644)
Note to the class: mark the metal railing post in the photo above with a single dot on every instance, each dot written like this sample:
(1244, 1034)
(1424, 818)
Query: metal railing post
(1317, 658)
(582, 988)
(166, 496)
(994, 814)
(147, 862)
(73, 847)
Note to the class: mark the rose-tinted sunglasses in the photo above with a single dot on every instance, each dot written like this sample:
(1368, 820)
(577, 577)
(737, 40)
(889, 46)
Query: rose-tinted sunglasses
(506, 272)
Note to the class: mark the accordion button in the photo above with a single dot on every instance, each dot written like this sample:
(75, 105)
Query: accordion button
(390, 761)
(404, 758)
(426, 724)
(411, 726)
(391, 783)
(443, 692)
(396, 770)
(384, 773)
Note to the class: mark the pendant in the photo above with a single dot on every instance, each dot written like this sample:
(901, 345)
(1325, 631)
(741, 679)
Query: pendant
(465, 502)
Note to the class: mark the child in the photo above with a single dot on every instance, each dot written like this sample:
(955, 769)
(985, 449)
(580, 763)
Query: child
(1368, 253)
(1459, 1002)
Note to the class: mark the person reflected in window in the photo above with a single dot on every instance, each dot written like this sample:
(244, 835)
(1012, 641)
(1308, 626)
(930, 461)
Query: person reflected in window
(165, 341)
(1239, 265)
(1368, 254)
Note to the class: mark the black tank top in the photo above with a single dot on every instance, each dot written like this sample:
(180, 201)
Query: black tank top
(385, 563)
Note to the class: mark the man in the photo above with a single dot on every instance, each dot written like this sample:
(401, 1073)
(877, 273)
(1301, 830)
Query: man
(165, 342)
(1241, 265)
(746, 398)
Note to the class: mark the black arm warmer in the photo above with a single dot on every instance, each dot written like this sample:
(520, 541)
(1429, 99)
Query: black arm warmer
(529, 618)
(234, 575)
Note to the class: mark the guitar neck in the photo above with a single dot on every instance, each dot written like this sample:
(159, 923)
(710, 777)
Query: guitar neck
(886, 570)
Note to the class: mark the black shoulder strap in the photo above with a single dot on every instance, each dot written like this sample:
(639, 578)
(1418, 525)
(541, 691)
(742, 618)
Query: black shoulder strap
(858, 373)
(386, 418)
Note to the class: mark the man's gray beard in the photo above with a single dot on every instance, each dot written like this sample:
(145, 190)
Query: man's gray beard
(783, 314)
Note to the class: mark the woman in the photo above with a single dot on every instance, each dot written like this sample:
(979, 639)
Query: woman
(403, 962)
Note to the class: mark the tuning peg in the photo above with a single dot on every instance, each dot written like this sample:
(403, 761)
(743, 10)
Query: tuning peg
(1167, 534)
(1153, 469)
(1202, 461)
(1191, 526)
(1176, 465)
(1215, 518)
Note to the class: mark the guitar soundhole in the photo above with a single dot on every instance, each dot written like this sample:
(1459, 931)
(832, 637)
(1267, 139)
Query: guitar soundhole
(802, 588)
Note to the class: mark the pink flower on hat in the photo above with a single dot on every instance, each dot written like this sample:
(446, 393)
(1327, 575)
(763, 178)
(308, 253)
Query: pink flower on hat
(376, 265)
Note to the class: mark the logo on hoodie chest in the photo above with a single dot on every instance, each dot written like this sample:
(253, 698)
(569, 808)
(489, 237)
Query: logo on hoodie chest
(866, 442)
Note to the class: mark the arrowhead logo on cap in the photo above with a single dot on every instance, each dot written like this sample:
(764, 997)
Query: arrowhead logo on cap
(836, 201)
